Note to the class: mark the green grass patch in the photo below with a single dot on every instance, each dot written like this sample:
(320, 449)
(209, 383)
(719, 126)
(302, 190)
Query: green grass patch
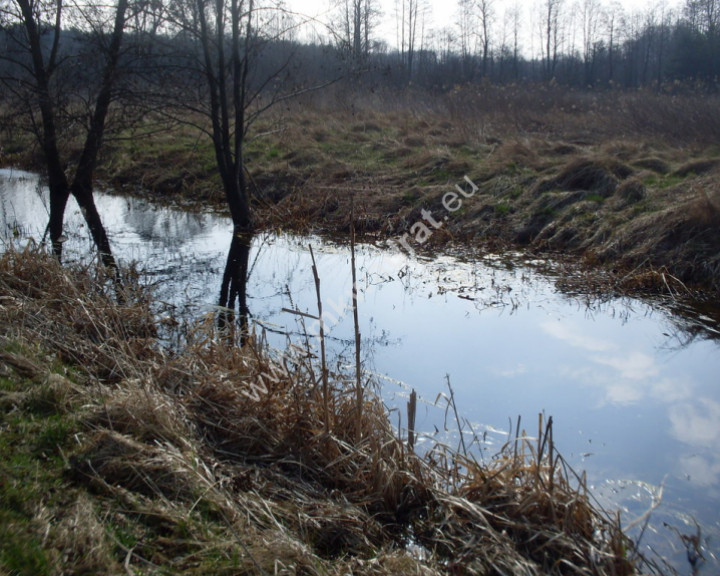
(7, 385)
(515, 192)
(662, 182)
(410, 197)
(439, 176)
(503, 208)
(35, 430)
(21, 553)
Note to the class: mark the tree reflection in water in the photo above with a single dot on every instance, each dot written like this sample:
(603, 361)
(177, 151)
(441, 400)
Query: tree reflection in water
(233, 290)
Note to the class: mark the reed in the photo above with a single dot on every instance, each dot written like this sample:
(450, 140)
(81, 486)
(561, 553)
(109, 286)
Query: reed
(174, 468)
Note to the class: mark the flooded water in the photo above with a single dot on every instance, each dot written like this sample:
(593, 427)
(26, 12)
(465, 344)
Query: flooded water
(633, 387)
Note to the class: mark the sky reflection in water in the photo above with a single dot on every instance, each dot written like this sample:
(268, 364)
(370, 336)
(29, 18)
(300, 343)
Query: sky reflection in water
(635, 402)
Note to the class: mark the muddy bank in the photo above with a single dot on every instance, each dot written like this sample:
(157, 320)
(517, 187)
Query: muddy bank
(648, 222)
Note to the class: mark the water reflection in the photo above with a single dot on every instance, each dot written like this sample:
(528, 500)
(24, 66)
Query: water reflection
(632, 385)
(152, 223)
(233, 289)
(696, 423)
(21, 194)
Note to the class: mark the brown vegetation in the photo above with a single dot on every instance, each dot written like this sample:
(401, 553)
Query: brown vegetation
(623, 179)
(157, 462)
(557, 171)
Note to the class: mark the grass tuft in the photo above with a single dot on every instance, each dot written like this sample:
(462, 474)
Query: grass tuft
(168, 464)
(598, 175)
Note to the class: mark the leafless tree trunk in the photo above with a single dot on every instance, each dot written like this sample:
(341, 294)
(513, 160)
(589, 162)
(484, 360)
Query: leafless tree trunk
(467, 23)
(590, 16)
(35, 23)
(408, 13)
(551, 36)
(357, 20)
(227, 103)
(613, 15)
(485, 11)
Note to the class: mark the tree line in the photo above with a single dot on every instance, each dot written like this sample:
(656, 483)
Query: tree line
(580, 43)
(72, 71)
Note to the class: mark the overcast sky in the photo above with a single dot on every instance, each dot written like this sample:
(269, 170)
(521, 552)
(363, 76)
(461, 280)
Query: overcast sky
(443, 13)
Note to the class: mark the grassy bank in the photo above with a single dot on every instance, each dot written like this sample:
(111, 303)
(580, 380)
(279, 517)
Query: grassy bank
(628, 181)
(120, 457)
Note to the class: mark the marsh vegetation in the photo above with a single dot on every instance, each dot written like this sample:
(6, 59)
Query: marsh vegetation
(129, 438)
(120, 456)
(489, 320)
(627, 182)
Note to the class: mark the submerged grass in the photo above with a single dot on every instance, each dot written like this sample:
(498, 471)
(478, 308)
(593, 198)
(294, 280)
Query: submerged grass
(122, 458)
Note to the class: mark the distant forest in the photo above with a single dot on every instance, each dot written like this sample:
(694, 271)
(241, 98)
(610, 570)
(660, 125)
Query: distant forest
(584, 46)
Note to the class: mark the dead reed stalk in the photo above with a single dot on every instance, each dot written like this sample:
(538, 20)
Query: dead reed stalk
(323, 359)
(356, 322)
(211, 478)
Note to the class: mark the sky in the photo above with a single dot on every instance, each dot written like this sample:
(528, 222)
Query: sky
(443, 13)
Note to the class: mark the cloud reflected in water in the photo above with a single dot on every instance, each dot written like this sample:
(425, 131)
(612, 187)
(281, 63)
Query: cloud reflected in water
(628, 376)
(698, 423)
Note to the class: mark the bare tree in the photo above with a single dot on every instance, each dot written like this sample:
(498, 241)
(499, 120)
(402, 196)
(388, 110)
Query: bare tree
(703, 15)
(663, 34)
(216, 86)
(356, 22)
(486, 18)
(590, 15)
(510, 41)
(226, 76)
(551, 35)
(38, 65)
(409, 14)
(613, 19)
(467, 24)
(516, 19)
(214, 82)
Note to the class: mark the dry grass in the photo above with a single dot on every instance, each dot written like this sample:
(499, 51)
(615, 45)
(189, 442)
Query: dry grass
(81, 317)
(397, 152)
(625, 186)
(598, 175)
(173, 467)
(677, 241)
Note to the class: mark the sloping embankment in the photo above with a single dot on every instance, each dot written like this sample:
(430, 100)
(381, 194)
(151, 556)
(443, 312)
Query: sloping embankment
(122, 458)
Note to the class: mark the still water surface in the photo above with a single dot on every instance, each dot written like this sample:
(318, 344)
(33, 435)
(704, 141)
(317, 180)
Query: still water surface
(633, 388)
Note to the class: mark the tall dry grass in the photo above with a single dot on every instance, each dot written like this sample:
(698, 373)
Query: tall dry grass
(675, 115)
(211, 480)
